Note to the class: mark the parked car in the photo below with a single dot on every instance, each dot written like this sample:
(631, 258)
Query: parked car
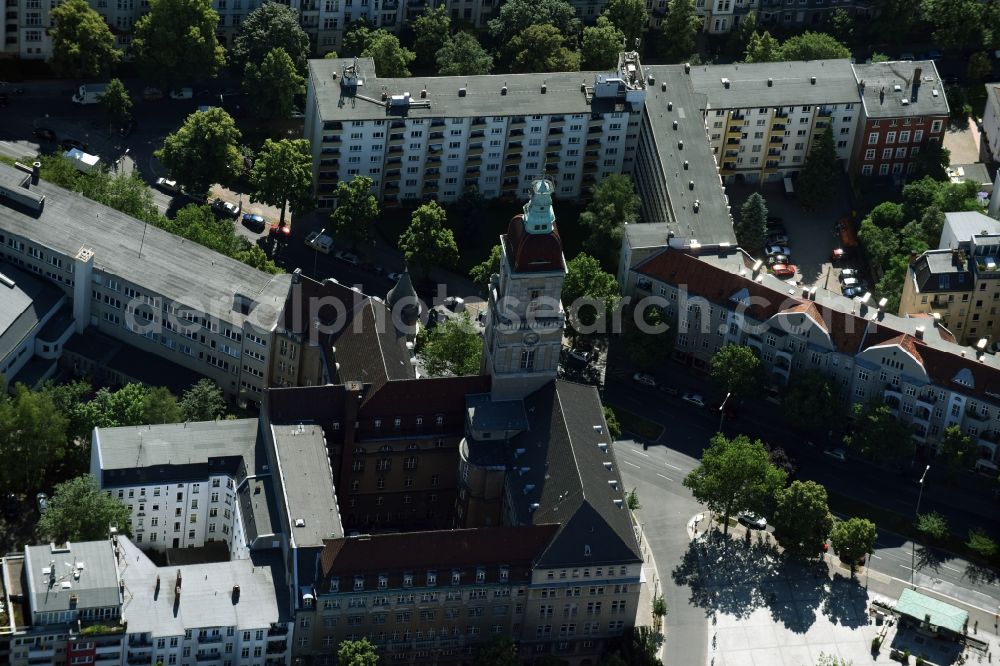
(579, 357)
(182, 93)
(168, 185)
(784, 270)
(693, 399)
(848, 273)
(225, 208)
(752, 520)
(454, 303)
(906, 56)
(851, 292)
(776, 259)
(319, 242)
(836, 454)
(644, 379)
(151, 94)
(777, 238)
(281, 232)
(778, 249)
(348, 257)
(254, 222)
(669, 390)
(43, 133)
(43, 502)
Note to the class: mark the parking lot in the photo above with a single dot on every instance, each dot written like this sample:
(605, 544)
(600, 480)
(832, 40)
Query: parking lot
(812, 234)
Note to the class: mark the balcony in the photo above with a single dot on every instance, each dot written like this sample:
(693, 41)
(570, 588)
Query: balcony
(276, 647)
(593, 142)
(937, 304)
(595, 122)
(436, 135)
(555, 131)
(735, 129)
(392, 177)
(589, 168)
(474, 160)
(519, 120)
(478, 122)
(509, 187)
(778, 127)
(331, 138)
(727, 168)
(208, 656)
(514, 158)
(776, 140)
(139, 659)
(210, 638)
(557, 121)
(281, 630)
(431, 189)
(976, 415)
(391, 187)
(140, 642)
(396, 140)
(552, 158)
(475, 150)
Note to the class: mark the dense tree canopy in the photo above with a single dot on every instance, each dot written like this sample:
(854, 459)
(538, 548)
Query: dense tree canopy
(481, 272)
(432, 29)
(813, 46)
(32, 439)
(203, 401)
(811, 402)
(853, 538)
(356, 653)
(820, 169)
(463, 55)
(630, 17)
(516, 16)
(80, 511)
(391, 58)
(751, 229)
(176, 42)
(614, 203)
(356, 208)
(958, 24)
(451, 348)
(802, 519)
(542, 48)
(117, 103)
(428, 242)
(878, 435)
(601, 45)
(82, 42)
(736, 369)
(270, 26)
(586, 282)
(283, 172)
(680, 30)
(273, 84)
(203, 151)
(762, 47)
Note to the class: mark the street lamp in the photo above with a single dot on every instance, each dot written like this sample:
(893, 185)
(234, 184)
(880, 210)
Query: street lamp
(316, 252)
(913, 549)
(722, 410)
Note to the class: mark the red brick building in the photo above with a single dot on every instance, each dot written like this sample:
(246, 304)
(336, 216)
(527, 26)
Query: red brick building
(904, 111)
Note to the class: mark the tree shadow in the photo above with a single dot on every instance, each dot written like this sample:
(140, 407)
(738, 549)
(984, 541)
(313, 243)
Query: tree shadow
(929, 558)
(793, 600)
(845, 602)
(981, 574)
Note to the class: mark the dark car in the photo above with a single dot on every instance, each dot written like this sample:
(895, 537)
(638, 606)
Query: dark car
(254, 222)
(43, 133)
(128, 127)
(70, 144)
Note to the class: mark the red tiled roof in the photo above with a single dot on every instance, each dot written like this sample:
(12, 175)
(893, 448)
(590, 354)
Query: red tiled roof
(907, 342)
(809, 308)
(533, 253)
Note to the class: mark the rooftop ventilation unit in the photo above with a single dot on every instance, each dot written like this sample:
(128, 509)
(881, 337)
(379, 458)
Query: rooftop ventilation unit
(725, 83)
(618, 503)
(770, 83)
(607, 465)
(812, 80)
(897, 88)
(503, 90)
(300, 522)
(757, 265)
(461, 91)
(934, 92)
(603, 446)
(981, 345)
(534, 507)
(904, 101)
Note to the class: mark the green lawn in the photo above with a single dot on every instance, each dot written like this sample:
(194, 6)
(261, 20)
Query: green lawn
(638, 426)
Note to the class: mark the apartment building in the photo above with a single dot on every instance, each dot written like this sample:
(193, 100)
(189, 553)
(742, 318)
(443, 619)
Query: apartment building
(958, 283)
(763, 118)
(991, 123)
(439, 138)
(904, 110)
(912, 363)
(794, 14)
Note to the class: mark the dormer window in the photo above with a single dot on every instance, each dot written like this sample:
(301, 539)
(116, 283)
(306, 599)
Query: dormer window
(359, 583)
(334, 585)
(504, 573)
(383, 582)
(432, 578)
(407, 580)
(378, 423)
(397, 422)
(456, 576)
(336, 425)
(480, 575)
(439, 419)
(420, 420)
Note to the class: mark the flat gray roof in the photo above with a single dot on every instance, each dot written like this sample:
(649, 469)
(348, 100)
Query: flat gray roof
(482, 97)
(178, 269)
(712, 224)
(196, 442)
(22, 306)
(307, 483)
(966, 224)
(791, 83)
(485, 414)
(206, 598)
(882, 100)
(86, 569)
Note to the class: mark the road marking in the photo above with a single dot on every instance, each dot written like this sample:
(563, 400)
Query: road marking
(877, 557)
(664, 477)
(632, 463)
(641, 453)
(673, 467)
(906, 567)
(945, 566)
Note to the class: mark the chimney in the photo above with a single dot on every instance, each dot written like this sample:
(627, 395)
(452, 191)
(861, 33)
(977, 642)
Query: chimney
(36, 171)
(156, 590)
(920, 333)
(177, 584)
(881, 95)
(236, 593)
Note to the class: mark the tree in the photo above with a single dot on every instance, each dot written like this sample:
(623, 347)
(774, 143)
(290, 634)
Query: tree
(463, 55)
(979, 66)
(680, 30)
(614, 426)
(630, 17)
(632, 500)
(614, 204)
(751, 230)
(762, 47)
(357, 37)
(820, 169)
(159, 405)
(981, 543)
(841, 24)
(958, 24)
(124, 407)
(117, 103)
(391, 58)
(879, 57)
(427, 242)
(832, 660)
(432, 29)
(542, 48)
(283, 172)
(811, 402)
(802, 519)
(737, 370)
(273, 84)
(356, 208)
(453, 347)
(80, 511)
(204, 150)
(32, 439)
(203, 401)
(933, 525)
(177, 41)
(878, 435)
(601, 44)
(356, 653)
(647, 349)
(83, 45)
(516, 16)
(740, 37)
(270, 26)
(499, 651)
(932, 161)
(813, 46)
(585, 280)
(734, 475)
(481, 272)
(956, 450)
(853, 538)
(879, 243)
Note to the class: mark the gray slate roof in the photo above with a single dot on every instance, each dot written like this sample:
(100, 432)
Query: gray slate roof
(884, 76)
(572, 485)
(936, 271)
(178, 269)
(22, 306)
(95, 587)
(206, 598)
(791, 83)
(307, 482)
(962, 226)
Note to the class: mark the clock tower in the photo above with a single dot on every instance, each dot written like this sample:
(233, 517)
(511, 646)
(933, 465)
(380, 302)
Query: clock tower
(525, 318)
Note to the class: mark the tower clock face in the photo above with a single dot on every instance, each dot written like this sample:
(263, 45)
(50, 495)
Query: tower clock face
(531, 339)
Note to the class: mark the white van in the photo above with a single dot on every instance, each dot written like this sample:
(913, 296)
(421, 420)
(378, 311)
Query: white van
(90, 93)
(789, 188)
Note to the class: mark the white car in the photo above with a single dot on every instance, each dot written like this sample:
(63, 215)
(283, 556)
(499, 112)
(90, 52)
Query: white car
(225, 208)
(319, 242)
(168, 185)
(850, 282)
(347, 257)
(752, 520)
(779, 239)
(693, 399)
(778, 249)
(644, 379)
(836, 454)
(848, 273)
(182, 93)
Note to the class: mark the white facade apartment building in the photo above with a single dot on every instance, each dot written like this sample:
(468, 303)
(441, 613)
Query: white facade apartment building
(439, 138)
(150, 289)
(188, 484)
(762, 118)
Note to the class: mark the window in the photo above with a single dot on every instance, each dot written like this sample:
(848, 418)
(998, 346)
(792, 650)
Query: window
(873, 138)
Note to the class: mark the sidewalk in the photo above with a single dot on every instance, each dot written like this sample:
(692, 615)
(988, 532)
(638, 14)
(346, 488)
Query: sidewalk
(649, 588)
